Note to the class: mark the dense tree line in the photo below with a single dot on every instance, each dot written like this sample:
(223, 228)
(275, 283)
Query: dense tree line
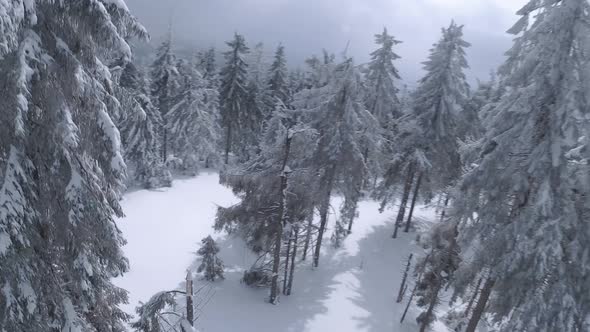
(505, 163)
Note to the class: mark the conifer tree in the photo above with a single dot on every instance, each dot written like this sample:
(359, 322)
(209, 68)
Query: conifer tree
(273, 189)
(259, 105)
(381, 99)
(164, 85)
(436, 270)
(319, 70)
(427, 138)
(61, 167)
(438, 101)
(520, 202)
(278, 82)
(211, 266)
(192, 121)
(139, 123)
(233, 93)
(208, 67)
(296, 81)
(469, 122)
(337, 113)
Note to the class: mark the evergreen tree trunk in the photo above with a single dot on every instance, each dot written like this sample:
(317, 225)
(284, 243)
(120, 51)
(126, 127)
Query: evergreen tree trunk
(481, 305)
(402, 287)
(274, 284)
(287, 261)
(410, 299)
(439, 203)
(189, 299)
(404, 201)
(444, 210)
(274, 291)
(227, 144)
(165, 146)
(430, 311)
(414, 199)
(351, 220)
(324, 207)
(293, 255)
(473, 297)
(414, 290)
(307, 236)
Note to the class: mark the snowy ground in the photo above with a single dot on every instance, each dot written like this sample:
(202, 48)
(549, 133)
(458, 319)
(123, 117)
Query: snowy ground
(354, 288)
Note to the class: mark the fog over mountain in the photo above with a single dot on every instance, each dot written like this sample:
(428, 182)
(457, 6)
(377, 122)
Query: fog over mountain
(307, 26)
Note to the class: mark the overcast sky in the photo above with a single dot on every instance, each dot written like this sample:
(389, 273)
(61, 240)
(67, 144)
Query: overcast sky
(307, 26)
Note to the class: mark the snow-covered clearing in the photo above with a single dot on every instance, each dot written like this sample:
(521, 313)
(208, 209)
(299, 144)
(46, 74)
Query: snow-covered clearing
(354, 288)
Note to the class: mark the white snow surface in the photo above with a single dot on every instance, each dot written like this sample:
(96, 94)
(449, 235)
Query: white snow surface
(354, 288)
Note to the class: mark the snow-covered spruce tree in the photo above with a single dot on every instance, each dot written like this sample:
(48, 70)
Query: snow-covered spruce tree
(274, 191)
(139, 122)
(530, 232)
(258, 105)
(61, 168)
(381, 98)
(161, 312)
(427, 139)
(439, 99)
(337, 113)
(208, 67)
(469, 124)
(211, 266)
(436, 270)
(319, 70)
(192, 121)
(233, 93)
(477, 117)
(408, 164)
(164, 79)
(296, 81)
(381, 95)
(278, 82)
(150, 313)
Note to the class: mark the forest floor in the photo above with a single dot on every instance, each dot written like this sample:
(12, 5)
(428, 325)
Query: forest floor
(354, 288)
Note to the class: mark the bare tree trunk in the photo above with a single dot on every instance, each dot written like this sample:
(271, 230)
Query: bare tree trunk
(307, 236)
(324, 207)
(353, 215)
(274, 283)
(402, 287)
(292, 272)
(414, 199)
(414, 289)
(280, 224)
(402, 206)
(227, 144)
(430, 311)
(444, 210)
(409, 302)
(481, 305)
(190, 317)
(287, 256)
(165, 146)
(473, 297)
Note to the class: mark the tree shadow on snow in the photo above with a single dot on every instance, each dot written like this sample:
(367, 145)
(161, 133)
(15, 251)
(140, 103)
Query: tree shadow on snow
(384, 262)
(235, 306)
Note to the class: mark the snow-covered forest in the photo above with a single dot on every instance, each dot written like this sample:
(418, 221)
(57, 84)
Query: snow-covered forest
(146, 186)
